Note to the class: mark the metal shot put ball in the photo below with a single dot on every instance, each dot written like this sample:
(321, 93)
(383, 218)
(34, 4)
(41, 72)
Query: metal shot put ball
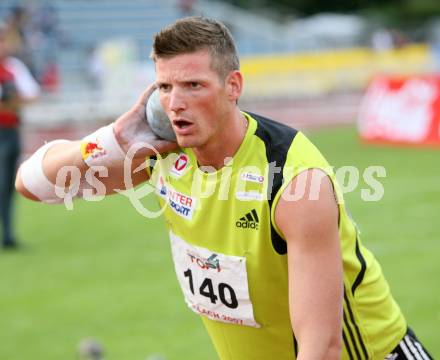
(158, 119)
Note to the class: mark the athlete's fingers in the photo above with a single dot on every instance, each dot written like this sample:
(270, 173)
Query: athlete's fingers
(141, 101)
(166, 146)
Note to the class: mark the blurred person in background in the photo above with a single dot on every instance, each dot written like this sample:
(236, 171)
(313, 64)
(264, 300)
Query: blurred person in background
(94, 68)
(186, 7)
(17, 86)
(19, 35)
(33, 36)
(273, 272)
(46, 38)
(382, 40)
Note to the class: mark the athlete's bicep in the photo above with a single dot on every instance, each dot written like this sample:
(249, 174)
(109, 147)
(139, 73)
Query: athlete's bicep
(309, 223)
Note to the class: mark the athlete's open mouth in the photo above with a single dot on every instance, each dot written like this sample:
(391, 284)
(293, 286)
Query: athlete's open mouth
(181, 124)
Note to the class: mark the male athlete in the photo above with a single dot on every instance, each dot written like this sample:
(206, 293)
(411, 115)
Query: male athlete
(275, 272)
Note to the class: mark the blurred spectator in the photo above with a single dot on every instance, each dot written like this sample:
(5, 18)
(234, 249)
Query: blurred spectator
(18, 36)
(33, 36)
(17, 86)
(95, 68)
(388, 39)
(47, 36)
(186, 7)
(382, 40)
(399, 39)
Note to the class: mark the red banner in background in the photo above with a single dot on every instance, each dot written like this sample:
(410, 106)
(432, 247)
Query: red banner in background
(401, 110)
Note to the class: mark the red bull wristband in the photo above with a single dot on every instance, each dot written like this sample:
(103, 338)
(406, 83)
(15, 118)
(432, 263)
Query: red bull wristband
(101, 148)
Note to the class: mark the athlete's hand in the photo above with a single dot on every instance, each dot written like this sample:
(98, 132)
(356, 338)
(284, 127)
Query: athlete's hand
(132, 129)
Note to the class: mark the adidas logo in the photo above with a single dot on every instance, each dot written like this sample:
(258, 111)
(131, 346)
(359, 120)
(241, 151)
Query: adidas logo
(249, 221)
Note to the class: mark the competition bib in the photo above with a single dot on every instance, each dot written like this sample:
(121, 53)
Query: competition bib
(213, 284)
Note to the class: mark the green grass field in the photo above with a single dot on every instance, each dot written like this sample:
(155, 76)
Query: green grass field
(104, 271)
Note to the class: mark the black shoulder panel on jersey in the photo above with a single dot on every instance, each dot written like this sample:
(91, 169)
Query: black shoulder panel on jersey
(277, 138)
(152, 162)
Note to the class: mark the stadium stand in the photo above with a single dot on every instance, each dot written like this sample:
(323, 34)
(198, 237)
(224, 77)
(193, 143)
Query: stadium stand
(85, 25)
(275, 72)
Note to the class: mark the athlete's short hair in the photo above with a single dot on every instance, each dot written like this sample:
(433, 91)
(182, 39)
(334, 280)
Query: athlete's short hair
(196, 33)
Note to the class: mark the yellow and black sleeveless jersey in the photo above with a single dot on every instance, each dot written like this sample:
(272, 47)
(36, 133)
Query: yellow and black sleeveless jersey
(230, 257)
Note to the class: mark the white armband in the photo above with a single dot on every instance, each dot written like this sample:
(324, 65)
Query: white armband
(34, 179)
(102, 148)
(97, 149)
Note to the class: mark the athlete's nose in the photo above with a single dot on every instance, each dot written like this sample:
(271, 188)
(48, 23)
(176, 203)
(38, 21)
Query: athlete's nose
(177, 101)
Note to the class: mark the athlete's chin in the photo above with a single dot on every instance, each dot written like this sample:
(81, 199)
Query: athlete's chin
(187, 141)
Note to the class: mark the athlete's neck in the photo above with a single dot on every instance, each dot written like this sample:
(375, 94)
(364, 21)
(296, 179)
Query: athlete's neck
(225, 145)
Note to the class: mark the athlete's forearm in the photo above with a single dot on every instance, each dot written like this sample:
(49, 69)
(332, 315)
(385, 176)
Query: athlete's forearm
(319, 347)
(61, 155)
(330, 354)
(37, 176)
(56, 156)
(68, 167)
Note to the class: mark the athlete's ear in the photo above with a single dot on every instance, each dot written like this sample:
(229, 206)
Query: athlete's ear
(234, 85)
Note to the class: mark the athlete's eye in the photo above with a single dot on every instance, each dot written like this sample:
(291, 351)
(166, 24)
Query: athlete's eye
(164, 87)
(194, 85)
